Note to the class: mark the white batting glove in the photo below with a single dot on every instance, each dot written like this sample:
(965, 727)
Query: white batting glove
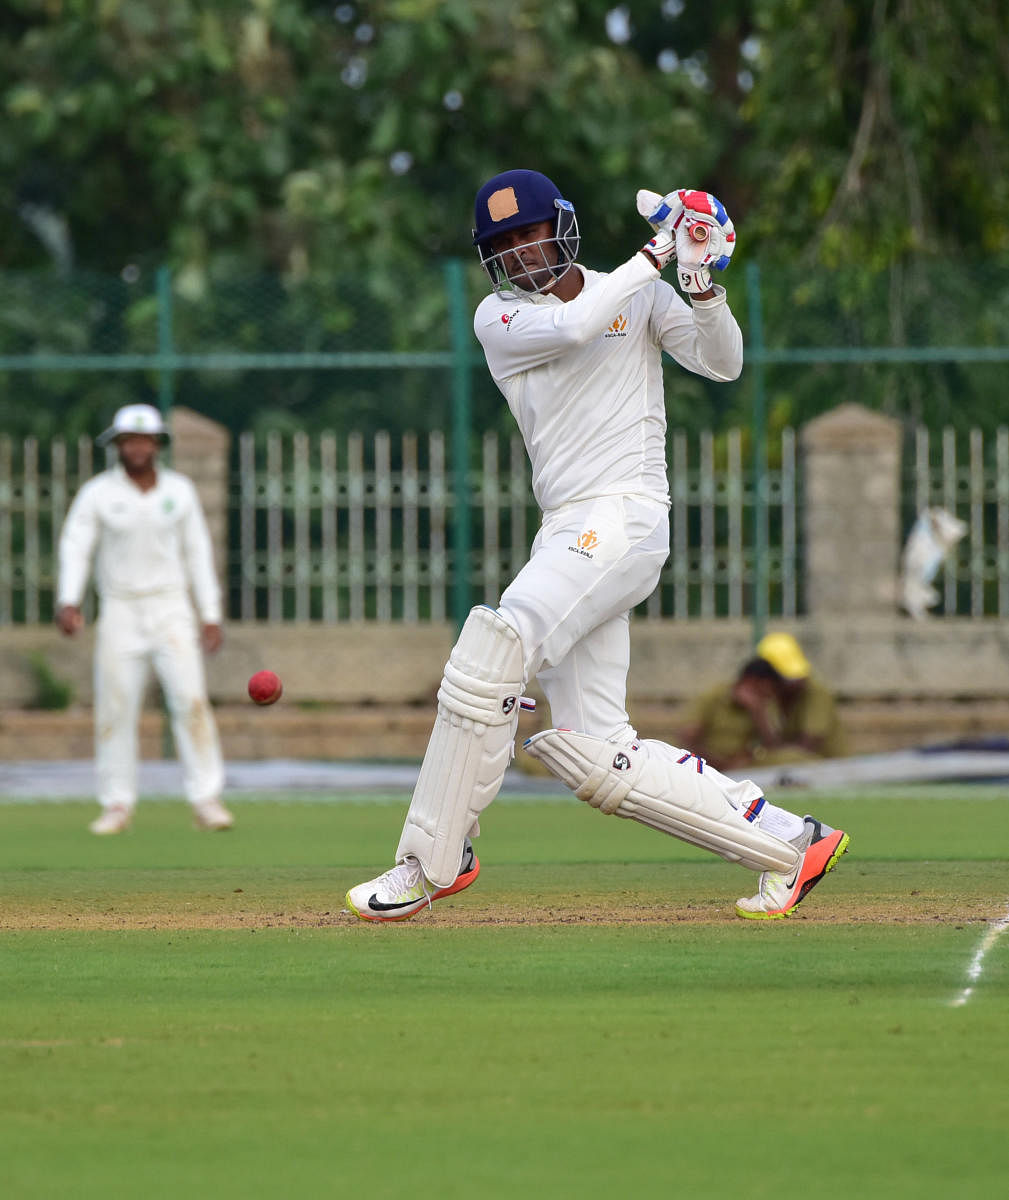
(704, 235)
(692, 238)
(661, 249)
(661, 212)
(705, 238)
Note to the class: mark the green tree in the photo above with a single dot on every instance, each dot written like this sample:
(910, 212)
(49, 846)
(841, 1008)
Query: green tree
(876, 165)
(308, 138)
(304, 168)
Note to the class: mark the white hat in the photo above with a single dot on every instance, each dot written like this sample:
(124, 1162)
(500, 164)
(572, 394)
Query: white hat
(134, 418)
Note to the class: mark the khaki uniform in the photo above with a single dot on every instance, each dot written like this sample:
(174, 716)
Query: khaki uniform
(728, 732)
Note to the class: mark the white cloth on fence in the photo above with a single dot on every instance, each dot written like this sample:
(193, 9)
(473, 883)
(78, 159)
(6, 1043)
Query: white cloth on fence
(932, 538)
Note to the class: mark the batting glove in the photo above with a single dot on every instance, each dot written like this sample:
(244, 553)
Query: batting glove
(704, 235)
(661, 249)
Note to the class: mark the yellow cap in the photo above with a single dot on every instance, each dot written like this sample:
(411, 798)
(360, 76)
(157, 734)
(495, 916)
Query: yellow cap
(783, 652)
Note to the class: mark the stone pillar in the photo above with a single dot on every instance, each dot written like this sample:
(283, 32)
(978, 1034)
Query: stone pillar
(852, 512)
(200, 450)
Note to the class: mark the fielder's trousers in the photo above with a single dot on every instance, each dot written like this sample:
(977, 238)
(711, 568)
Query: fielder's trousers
(132, 637)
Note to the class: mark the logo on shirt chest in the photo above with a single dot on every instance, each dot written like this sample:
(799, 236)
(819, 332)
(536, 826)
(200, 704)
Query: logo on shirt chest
(618, 328)
(585, 543)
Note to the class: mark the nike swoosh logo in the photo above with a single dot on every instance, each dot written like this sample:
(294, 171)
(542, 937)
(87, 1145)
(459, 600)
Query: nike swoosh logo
(378, 906)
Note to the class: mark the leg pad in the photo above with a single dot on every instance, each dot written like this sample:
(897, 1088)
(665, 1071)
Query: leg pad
(470, 747)
(663, 788)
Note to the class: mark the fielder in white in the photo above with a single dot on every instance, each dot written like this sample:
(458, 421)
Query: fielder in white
(577, 355)
(141, 527)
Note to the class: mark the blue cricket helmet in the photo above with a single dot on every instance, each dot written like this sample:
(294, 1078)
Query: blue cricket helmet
(514, 199)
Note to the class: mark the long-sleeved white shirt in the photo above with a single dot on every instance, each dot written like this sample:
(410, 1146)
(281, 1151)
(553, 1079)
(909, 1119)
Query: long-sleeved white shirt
(583, 378)
(141, 543)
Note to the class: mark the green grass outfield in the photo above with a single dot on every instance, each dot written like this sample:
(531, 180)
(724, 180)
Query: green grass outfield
(193, 1015)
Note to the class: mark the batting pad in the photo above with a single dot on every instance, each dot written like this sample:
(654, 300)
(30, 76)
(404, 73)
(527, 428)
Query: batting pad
(663, 788)
(470, 747)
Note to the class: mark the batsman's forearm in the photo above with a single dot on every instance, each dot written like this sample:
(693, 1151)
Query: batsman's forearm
(718, 344)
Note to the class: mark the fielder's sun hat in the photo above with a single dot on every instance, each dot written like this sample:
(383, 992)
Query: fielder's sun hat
(134, 418)
(783, 652)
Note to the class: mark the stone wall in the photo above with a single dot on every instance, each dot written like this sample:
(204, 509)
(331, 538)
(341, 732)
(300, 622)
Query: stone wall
(200, 449)
(368, 664)
(390, 732)
(367, 690)
(851, 469)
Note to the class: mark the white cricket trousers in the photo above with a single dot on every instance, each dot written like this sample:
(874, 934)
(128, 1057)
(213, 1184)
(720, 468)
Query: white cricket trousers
(132, 636)
(590, 564)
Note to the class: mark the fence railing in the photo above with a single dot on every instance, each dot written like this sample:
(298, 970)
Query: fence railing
(968, 477)
(315, 356)
(331, 528)
(37, 483)
(334, 529)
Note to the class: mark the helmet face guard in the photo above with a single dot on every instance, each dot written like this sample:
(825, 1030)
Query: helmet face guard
(514, 200)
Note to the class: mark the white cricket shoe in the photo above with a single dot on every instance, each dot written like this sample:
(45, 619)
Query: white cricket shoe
(405, 890)
(212, 815)
(779, 893)
(114, 819)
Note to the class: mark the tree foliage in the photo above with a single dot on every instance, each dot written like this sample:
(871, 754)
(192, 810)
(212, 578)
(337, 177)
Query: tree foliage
(859, 145)
(308, 138)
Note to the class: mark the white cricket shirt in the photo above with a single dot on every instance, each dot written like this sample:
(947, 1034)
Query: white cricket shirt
(142, 543)
(583, 378)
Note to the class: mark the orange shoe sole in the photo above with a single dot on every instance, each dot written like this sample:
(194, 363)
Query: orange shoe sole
(817, 861)
(820, 858)
(460, 882)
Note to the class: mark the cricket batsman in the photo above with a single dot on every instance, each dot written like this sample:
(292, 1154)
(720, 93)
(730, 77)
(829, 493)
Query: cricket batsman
(141, 527)
(577, 355)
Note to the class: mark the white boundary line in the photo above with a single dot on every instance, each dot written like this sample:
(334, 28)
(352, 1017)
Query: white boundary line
(974, 970)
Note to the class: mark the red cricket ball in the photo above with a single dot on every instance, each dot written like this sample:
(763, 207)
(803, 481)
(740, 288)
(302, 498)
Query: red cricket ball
(265, 687)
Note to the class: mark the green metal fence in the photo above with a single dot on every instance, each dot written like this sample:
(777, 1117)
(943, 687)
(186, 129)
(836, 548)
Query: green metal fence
(262, 354)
